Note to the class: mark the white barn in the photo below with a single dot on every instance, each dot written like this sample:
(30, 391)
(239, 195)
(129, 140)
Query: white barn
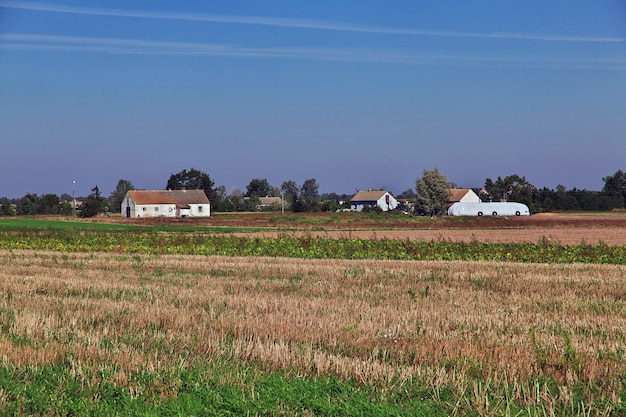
(463, 195)
(166, 203)
(373, 198)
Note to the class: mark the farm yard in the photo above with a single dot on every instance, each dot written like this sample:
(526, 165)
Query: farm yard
(352, 315)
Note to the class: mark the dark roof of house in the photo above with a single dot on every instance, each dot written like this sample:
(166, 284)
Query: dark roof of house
(369, 195)
(456, 194)
(182, 198)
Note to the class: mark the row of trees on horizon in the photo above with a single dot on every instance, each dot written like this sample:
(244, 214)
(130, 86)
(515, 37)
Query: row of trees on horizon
(428, 198)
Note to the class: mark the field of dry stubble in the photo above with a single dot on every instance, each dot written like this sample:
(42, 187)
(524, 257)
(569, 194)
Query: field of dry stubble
(465, 325)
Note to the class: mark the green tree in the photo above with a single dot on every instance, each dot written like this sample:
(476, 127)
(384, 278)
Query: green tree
(297, 204)
(615, 186)
(259, 187)
(117, 196)
(193, 180)
(66, 209)
(48, 204)
(310, 190)
(514, 188)
(564, 200)
(7, 208)
(409, 194)
(330, 206)
(289, 189)
(94, 204)
(433, 193)
(496, 190)
(218, 200)
(27, 205)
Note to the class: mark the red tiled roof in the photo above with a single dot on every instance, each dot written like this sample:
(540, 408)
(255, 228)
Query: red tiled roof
(182, 198)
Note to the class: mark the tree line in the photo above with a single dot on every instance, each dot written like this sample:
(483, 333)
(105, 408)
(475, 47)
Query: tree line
(430, 196)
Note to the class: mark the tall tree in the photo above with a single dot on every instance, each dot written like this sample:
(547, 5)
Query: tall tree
(48, 204)
(433, 193)
(259, 187)
(117, 196)
(289, 189)
(7, 208)
(513, 188)
(193, 179)
(615, 185)
(27, 205)
(496, 190)
(310, 190)
(218, 199)
(94, 204)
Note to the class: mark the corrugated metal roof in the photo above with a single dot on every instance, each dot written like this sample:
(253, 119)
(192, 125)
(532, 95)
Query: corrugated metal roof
(182, 198)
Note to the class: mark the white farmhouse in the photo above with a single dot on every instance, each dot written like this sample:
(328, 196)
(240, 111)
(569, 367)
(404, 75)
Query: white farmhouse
(463, 195)
(373, 198)
(166, 203)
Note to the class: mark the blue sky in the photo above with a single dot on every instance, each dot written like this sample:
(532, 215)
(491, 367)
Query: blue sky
(357, 94)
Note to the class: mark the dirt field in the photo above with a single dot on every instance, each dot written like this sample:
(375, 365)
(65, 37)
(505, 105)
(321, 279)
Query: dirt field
(566, 236)
(569, 229)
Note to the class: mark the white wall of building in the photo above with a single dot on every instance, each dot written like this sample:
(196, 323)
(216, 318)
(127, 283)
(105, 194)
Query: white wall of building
(200, 210)
(387, 202)
(154, 210)
(470, 197)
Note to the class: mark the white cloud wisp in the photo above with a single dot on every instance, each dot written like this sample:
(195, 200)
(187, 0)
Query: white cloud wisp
(123, 46)
(297, 23)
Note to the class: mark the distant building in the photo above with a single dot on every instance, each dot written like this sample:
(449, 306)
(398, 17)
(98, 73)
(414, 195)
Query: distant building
(267, 203)
(373, 198)
(166, 203)
(463, 195)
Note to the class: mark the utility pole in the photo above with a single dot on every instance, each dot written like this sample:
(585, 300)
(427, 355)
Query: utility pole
(282, 203)
(74, 198)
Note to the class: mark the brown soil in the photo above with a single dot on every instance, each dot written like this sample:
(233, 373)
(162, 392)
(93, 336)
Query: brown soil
(609, 228)
(566, 236)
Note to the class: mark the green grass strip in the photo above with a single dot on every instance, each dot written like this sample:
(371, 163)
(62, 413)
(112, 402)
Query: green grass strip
(220, 390)
(224, 389)
(32, 224)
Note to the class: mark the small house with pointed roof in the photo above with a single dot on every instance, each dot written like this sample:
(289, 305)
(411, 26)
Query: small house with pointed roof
(373, 198)
(463, 195)
(166, 203)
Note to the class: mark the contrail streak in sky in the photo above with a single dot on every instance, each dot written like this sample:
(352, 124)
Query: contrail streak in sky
(298, 23)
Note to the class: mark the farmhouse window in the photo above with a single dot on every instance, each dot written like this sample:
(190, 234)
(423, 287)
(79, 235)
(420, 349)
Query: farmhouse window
(145, 208)
(199, 209)
(156, 209)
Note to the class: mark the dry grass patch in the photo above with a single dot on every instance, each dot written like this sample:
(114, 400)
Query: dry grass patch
(444, 324)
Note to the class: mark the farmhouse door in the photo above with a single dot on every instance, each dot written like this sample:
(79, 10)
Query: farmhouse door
(128, 211)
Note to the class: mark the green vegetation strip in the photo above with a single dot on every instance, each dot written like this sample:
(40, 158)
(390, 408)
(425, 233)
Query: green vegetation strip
(306, 246)
(220, 390)
(43, 224)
